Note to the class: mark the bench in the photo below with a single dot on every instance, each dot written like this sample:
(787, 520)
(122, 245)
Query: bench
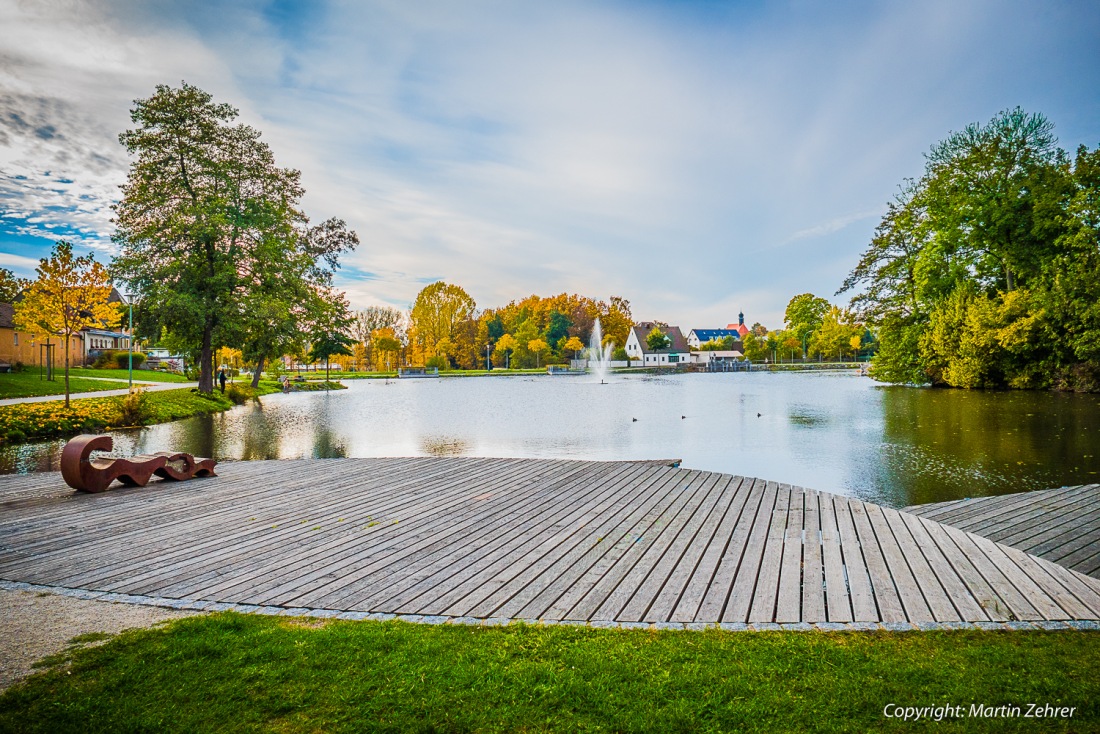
(94, 475)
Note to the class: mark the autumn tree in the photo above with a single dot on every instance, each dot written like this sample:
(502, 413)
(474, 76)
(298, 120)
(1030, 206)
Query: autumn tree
(574, 345)
(504, 347)
(209, 228)
(69, 295)
(435, 313)
(538, 347)
(372, 318)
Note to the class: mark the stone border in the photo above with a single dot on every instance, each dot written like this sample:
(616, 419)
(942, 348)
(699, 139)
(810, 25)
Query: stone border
(213, 606)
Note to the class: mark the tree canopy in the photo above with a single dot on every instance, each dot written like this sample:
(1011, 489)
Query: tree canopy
(211, 232)
(984, 271)
(70, 294)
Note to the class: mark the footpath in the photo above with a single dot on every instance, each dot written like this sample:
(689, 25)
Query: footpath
(148, 386)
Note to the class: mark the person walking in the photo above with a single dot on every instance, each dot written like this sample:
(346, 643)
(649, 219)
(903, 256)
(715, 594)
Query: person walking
(221, 379)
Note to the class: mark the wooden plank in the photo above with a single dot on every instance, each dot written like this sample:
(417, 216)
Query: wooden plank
(550, 586)
(788, 603)
(688, 550)
(623, 580)
(1015, 605)
(980, 591)
(838, 604)
(702, 579)
(1004, 558)
(909, 590)
(813, 572)
(767, 580)
(931, 586)
(351, 589)
(246, 550)
(887, 597)
(658, 594)
(595, 566)
(967, 607)
(860, 590)
(739, 601)
(717, 591)
(536, 552)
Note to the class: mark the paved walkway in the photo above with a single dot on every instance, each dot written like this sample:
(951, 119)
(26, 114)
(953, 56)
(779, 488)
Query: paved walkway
(569, 542)
(149, 386)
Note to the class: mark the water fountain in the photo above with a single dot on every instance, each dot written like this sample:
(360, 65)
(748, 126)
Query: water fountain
(599, 355)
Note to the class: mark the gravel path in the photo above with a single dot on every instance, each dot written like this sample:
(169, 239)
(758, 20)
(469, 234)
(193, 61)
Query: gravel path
(34, 625)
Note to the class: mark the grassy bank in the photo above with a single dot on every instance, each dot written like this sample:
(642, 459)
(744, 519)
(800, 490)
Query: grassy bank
(36, 421)
(240, 673)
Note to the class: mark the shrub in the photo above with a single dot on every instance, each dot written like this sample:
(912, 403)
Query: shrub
(134, 409)
(620, 355)
(122, 359)
(437, 361)
(236, 393)
(108, 358)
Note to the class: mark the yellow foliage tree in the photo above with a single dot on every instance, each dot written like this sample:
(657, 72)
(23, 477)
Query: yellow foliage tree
(538, 346)
(504, 346)
(69, 295)
(575, 345)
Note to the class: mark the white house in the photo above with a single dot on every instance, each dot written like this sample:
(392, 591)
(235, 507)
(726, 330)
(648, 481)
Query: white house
(637, 349)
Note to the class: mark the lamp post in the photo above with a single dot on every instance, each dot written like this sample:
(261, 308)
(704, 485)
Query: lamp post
(488, 365)
(130, 303)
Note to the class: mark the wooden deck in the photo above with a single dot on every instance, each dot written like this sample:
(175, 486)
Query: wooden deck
(1060, 525)
(522, 538)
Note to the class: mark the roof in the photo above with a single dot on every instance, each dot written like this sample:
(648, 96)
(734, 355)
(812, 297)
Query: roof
(7, 316)
(739, 328)
(679, 343)
(706, 335)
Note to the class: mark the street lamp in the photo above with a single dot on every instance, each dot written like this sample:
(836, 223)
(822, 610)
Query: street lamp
(130, 301)
(488, 365)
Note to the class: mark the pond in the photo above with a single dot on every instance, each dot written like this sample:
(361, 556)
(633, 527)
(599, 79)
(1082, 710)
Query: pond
(837, 432)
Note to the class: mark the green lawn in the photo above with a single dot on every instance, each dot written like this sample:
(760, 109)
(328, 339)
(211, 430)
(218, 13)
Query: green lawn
(242, 673)
(139, 375)
(28, 384)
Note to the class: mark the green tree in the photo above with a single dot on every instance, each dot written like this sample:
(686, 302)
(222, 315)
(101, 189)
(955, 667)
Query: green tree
(834, 336)
(11, 285)
(753, 347)
(327, 343)
(69, 295)
(207, 218)
(657, 340)
(804, 316)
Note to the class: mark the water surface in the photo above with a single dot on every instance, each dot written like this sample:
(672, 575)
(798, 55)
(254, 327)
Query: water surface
(836, 432)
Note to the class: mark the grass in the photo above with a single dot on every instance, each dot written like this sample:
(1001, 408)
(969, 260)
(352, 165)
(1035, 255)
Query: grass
(28, 384)
(243, 673)
(139, 375)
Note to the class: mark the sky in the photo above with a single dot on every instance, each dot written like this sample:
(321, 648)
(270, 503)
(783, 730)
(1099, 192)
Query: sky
(697, 158)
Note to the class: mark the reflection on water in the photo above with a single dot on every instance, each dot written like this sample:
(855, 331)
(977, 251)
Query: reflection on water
(835, 432)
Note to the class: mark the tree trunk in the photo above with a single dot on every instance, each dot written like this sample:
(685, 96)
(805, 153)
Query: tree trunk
(206, 361)
(256, 374)
(66, 371)
(1010, 280)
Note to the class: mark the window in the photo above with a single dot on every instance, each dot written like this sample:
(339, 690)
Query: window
(16, 337)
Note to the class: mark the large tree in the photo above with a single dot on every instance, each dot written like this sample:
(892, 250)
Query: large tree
(983, 272)
(804, 316)
(69, 295)
(435, 314)
(209, 228)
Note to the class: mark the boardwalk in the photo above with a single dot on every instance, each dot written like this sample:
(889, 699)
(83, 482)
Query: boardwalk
(522, 538)
(1060, 525)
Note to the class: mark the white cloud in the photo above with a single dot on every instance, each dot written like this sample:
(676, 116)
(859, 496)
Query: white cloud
(667, 154)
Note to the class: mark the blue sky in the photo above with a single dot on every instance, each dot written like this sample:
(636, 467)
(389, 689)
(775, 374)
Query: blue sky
(696, 158)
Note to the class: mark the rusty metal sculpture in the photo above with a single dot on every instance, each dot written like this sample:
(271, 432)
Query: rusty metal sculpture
(95, 475)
